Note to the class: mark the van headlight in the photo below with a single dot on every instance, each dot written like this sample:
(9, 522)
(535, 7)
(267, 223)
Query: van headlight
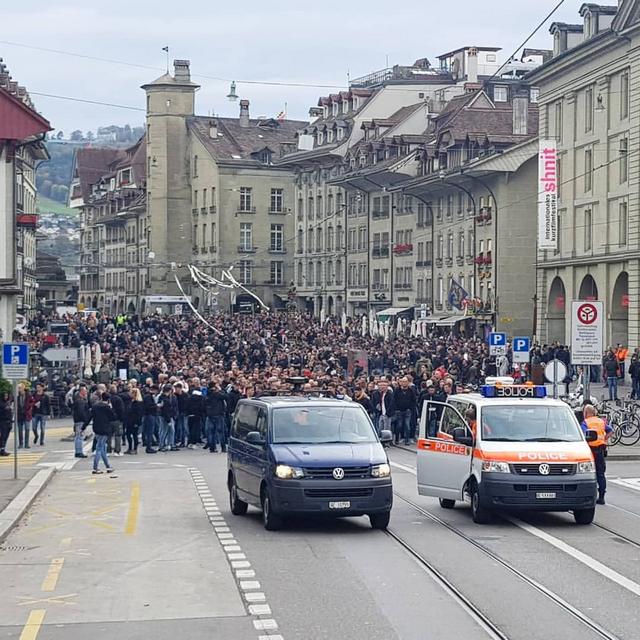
(381, 470)
(285, 472)
(494, 466)
(586, 467)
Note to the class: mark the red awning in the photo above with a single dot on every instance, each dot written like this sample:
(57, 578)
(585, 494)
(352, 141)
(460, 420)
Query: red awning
(19, 121)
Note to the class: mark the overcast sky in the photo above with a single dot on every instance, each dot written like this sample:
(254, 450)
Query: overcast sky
(286, 41)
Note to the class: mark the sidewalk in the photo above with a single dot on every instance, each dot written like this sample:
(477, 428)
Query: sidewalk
(55, 452)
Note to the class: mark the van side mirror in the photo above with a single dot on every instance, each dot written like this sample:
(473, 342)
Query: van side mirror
(591, 435)
(462, 436)
(254, 437)
(386, 436)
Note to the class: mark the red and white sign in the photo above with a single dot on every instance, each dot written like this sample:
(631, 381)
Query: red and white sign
(548, 195)
(587, 324)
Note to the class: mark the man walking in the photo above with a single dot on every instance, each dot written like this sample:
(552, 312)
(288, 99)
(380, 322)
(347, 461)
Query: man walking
(216, 407)
(168, 407)
(25, 415)
(103, 418)
(384, 406)
(611, 370)
(598, 447)
(81, 417)
(41, 411)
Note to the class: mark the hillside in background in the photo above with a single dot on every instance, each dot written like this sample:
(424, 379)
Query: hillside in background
(54, 176)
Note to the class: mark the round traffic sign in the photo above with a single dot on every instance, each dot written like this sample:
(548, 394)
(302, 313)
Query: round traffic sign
(587, 313)
(555, 371)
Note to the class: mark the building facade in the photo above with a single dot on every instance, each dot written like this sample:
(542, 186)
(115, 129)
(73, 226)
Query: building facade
(589, 105)
(333, 241)
(22, 132)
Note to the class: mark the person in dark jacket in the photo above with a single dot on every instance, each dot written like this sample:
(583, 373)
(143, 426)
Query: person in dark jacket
(384, 406)
(360, 396)
(6, 420)
(150, 418)
(25, 415)
(611, 370)
(406, 402)
(115, 442)
(182, 423)
(197, 413)
(103, 417)
(216, 407)
(81, 417)
(634, 372)
(41, 411)
(133, 420)
(168, 408)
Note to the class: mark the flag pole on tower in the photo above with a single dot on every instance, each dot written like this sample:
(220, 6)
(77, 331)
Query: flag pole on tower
(166, 49)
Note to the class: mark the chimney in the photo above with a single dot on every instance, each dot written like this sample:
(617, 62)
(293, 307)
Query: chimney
(244, 113)
(181, 70)
(213, 129)
(472, 65)
(521, 114)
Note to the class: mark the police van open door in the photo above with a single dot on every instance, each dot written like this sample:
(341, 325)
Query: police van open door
(445, 448)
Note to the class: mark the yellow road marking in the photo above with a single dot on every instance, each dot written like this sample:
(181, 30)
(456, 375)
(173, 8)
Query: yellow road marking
(99, 523)
(51, 579)
(91, 480)
(34, 622)
(57, 512)
(28, 602)
(134, 508)
(106, 510)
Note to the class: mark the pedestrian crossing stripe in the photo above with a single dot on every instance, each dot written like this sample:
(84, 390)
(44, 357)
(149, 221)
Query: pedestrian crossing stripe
(23, 459)
(58, 432)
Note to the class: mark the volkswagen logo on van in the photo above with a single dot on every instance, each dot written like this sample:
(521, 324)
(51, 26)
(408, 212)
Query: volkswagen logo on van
(338, 473)
(544, 469)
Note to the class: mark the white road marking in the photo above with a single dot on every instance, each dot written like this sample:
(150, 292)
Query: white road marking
(265, 625)
(233, 548)
(631, 513)
(404, 467)
(255, 596)
(221, 529)
(629, 483)
(245, 573)
(237, 556)
(240, 564)
(249, 585)
(225, 536)
(588, 561)
(270, 637)
(259, 609)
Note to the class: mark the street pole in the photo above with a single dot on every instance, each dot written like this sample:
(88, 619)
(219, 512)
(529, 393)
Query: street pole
(586, 385)
(15, 429)
(555, 378)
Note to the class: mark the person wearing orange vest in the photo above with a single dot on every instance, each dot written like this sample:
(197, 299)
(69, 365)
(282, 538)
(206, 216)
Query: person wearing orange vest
(621, 355)
(592, 422)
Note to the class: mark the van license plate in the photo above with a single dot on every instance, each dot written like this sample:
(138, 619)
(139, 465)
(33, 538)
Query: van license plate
(545, 496)
(339, 505)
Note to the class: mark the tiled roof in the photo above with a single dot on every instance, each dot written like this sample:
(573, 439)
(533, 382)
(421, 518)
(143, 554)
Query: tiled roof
(236, 143)
(91, 164)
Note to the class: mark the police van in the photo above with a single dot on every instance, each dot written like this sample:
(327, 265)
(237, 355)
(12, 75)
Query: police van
(507, 447)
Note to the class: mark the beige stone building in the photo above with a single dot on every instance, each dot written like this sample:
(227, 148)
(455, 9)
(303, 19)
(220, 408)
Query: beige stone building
(589, 105)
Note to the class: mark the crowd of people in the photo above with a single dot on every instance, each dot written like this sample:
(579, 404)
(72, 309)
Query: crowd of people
(167, 382)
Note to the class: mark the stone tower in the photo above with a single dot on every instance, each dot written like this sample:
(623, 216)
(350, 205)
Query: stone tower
(170, 101)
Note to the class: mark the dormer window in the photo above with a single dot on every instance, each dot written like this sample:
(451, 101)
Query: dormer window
(340, 133)
(320, 138)
(330, 135)
(265, 156)
(588, 25)
(334, 108)
(500, 94)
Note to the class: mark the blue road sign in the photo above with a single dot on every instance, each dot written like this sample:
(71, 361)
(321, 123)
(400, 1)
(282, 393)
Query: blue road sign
(497, 339)
(15, 361)
(521, 348)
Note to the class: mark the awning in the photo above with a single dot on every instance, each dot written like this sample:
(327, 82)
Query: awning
(442, 321)
(394, 311)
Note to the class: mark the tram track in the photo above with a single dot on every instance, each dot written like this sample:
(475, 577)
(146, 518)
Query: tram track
(492, 629)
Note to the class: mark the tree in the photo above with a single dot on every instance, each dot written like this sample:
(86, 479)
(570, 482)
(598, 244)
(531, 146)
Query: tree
(89, 135)
(60, 135)
(76, 135)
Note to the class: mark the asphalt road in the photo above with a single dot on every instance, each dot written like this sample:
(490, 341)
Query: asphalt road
(155, 553)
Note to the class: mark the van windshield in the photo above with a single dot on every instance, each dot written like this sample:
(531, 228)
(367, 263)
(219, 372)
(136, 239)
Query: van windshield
(527, 423)
(321, 425)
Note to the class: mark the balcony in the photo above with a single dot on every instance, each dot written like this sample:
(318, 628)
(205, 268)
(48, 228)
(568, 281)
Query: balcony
(204, 249)
(378, 214)
(194, 211)
(212, 248)
(403, 249)
(195, 250)
(380, 286)
(460, 260)
(423, 263)
(438, 262)
(243, 248)
(380, 252)
(448, 261)
(277, 212)
(438, 306)
(204, 210)
(469, 259)
(246, 210)
(280, 250)
(212, 208)
(404, 286)
(423, 300)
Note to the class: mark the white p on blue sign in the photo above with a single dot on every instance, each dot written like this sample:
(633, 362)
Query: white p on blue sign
(521, 347)
(497, 344)
(15, 361)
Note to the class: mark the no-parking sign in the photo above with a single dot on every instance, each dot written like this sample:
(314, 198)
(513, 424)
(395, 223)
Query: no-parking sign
(587, 323)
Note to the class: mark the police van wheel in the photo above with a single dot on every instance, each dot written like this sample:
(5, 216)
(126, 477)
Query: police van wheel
(380, 520)
(446, 503)
(271, 521)
(584, 516)
(480, 514)
(238, 507)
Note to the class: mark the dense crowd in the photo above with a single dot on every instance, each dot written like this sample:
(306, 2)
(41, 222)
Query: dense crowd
(174, 381)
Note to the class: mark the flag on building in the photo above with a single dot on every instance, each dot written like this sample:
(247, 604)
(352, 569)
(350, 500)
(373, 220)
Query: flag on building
(457, 295)
(282, 116)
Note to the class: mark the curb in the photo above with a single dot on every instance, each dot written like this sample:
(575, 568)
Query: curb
(14, 511)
